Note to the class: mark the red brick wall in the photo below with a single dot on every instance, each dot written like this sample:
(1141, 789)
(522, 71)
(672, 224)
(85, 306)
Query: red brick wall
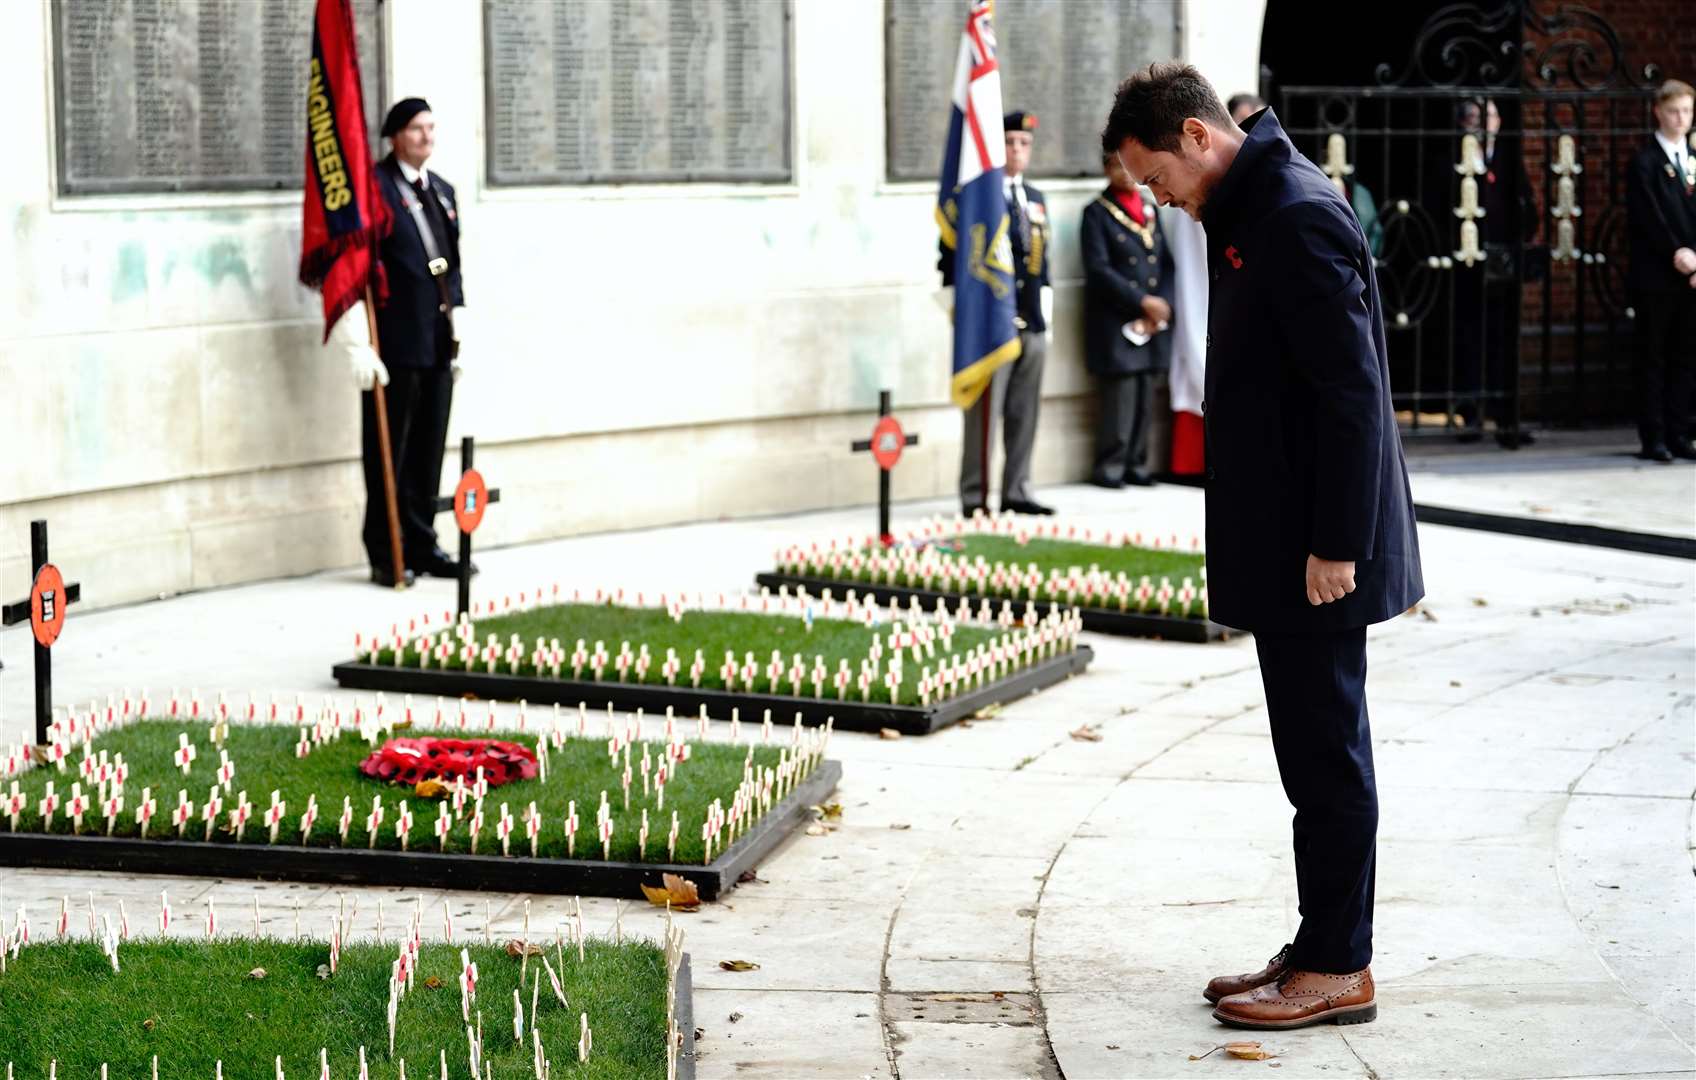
(1662, 32)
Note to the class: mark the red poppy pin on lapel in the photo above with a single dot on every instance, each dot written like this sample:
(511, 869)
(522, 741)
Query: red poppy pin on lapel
(1236, 260)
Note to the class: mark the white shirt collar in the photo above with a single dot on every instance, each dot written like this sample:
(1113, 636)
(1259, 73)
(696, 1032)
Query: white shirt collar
(411, 174)
(1015, 185)
(1673, 148)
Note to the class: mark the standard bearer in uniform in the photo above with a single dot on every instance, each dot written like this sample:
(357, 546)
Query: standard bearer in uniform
(1015, 394)
(419, 323)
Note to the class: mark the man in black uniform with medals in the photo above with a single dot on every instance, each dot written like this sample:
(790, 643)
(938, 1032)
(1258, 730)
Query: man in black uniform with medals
(418, 331)
(1129, 280)
(1660, 192)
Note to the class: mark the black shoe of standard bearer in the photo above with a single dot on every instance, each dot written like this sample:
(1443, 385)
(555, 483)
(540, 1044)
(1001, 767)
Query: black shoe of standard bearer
(440, 564)
(385, 577)
(1682, 449)
(1019, 506)
(1139, 478)
(1103, 482)
(1656, 452)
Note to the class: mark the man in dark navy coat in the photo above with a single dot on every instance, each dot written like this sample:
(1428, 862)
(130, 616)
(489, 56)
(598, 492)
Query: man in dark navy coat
(1660, 199)
(418, 335)
(1310, 528)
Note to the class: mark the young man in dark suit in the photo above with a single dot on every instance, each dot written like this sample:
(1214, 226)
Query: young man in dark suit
(1310, 528)
(1128, 290)
(418, 331)
(1660, 199)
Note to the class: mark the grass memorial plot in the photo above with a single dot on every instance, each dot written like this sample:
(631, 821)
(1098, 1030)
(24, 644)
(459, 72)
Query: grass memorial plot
(849, 661)
(217, 1003)
(382, 793)
(1151, 584)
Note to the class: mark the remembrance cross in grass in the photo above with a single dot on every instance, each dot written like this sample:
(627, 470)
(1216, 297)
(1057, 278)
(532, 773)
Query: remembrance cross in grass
(468, 501)
(44, 609)
(886, 444)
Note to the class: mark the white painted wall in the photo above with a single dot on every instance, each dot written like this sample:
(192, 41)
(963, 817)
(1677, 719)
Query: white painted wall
(635, 355)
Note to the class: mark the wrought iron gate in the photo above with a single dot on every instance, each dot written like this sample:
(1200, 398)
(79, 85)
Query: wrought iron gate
(1501, 256)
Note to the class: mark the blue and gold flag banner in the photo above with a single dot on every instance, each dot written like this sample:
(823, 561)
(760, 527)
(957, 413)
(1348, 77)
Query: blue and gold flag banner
(972, 213)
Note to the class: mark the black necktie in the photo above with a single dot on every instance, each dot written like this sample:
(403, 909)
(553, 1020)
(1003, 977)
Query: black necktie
(1021, 222)
(433, 214)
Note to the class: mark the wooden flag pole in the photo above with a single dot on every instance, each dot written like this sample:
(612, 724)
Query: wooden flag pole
(380, 403)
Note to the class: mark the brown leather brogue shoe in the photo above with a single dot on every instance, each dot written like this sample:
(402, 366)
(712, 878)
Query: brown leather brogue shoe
(1300, 998)
(1226, 985)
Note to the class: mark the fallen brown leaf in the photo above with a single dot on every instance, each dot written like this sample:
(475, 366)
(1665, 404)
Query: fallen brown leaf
(680, 893)
(735, 1016)
(1479, 601)
(149, 1023)
(888, 733)
(433, 982)
(829, 811)
(817, 830)
(1086, 734)
(988, 712)
(516, 948)
(430, 788)
(900, 826)
(1247, 1051)
(738, 965)
(256, 973)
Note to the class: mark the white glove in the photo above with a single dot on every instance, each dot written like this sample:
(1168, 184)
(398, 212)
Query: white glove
(457, 320)
(1047, 300)
(944, 298)
(352, 337)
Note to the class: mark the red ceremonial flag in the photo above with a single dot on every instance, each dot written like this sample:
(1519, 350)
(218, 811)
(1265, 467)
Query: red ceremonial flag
(344, 215)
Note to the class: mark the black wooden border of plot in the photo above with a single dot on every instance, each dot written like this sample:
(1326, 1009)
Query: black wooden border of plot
(1101, 620)
(367, 866)
(850, 715)
(683, 1011)
(1564, 532)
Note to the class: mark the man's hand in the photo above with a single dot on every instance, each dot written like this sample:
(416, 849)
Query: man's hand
(1328, 580)
(1157, 310)
(1684, 261)
(351, 336)
(365, 367)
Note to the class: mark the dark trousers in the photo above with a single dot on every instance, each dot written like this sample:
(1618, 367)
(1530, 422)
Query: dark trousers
(1316, 698)
(1666, 339)
(1485, 331)
(1121, 427)
(418, 402)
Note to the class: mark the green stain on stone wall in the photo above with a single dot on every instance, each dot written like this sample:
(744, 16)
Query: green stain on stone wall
(224, 261)
(131, 277)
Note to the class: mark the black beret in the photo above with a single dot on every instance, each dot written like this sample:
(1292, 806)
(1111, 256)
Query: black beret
(401, 114)
(1019, 121)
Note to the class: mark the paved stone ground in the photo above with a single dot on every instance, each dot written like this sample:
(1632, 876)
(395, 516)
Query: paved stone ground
(1578, 477)
(1004, 900)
